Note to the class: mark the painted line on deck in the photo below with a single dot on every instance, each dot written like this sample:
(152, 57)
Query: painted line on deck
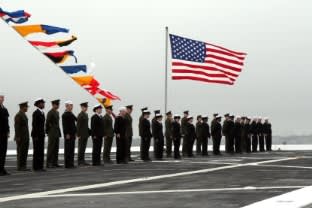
(294, 199)
(247, 188)
(287, 166)
(136, 180)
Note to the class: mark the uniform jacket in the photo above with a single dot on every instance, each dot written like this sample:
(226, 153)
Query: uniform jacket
(53, 124)
(237, 129)
(146, 128)
(168, 126)
(97, 126)
(253, 128)
(226, 128)
(38, 123)
(183, 125)
(120, 126)
(216, 129)
(190, 132)
(4, 121)
(267, 128)
(129, 130)
(176, 130)
(69, 123)
(205, 130)
(198, 129)
(259, 128)
(157, 130)
(21, 126)
(83, 125)
(108, 126)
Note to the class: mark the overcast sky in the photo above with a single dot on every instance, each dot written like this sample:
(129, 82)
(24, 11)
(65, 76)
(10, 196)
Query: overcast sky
(124, 41)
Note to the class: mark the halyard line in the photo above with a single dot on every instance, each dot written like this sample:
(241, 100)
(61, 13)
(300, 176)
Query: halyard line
(143, 179)
(294, 199)
(247, 188)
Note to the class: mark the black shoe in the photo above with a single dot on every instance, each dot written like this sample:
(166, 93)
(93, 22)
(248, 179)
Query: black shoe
(70, 167)
(57, 166)
(40, 170)
(108, 161)
(131, 160)
(50, 166)
(4, 173)
(23, 169)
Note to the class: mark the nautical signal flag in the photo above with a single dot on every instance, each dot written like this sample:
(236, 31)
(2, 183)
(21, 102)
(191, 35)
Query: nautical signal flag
(60, 57)
(74, 69)
(45, 45)
(17, 17)
(201, 61)
(25, 30)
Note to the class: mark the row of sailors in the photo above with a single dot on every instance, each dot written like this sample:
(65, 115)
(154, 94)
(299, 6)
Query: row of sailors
(103, 130)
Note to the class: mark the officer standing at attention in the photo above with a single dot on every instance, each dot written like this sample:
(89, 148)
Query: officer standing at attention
(120, 131)
(129, 132)
(168, 133)
(183, 127)
(38, 135)
(108, 134)
(141, 118)
(176, 136)
(70, 131)
(246, 135)
(205, 135)
(83, 133)
(267, 129)
(146, 135)
(216, 133)
(190, 136)
(4, 135)
(260, 134)
(226, 133)
(22, 136)
(198, 135)
(54, 134)
(231, 130)
(237, 135)
(97, 133)
(157, 132)
(254, 135)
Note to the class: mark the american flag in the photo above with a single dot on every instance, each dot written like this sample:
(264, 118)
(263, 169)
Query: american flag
(200, 61)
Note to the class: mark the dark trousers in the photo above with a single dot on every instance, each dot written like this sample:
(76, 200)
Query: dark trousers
(128, 149)
(121, 150)
(216, 145)
(184, 146)
(158, 148)
(22, 153)
(205, 146)
(108, 142)
(254, 138)
(237, 142)
(69, 153)
(227, 144)
(53, 150)
(144, 149)
(231, 144)
(168, 146)
(268, 142)
(189, 146)
(177, 143)
(3, 150)
(38, 153)
(199, 143)
(82, 145)
(96, 150)
(261, 143)
(248, 144)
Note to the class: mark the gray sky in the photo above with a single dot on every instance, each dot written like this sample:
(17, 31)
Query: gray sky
(126, 41)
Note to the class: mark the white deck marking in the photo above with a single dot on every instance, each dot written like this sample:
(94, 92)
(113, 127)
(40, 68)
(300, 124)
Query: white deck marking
(287, 166)
(247, 188)
(136, 180)
(293, 199)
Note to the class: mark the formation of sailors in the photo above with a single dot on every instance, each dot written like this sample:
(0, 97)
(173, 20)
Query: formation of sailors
(242, 134)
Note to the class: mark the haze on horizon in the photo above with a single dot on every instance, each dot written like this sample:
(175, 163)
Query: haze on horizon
(123, 42)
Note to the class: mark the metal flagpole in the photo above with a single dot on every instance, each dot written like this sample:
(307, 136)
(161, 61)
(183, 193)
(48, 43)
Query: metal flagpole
(166, 71)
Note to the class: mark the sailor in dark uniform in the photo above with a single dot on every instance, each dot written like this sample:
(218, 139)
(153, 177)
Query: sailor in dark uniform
(231, 131)
(205, 135)
(146, 135)
(108, 134)
(97, 133)
(183, 127)
(69, 129)
(237, 135)
(83, 133)
(216, 133)
(168, 135)
(190, 136)
(176, 136)
(267, 129)
(4, 135)
(158, 135)
(129, 132)
(260, 134)
(198, 136)
(38, 135)
(254, 135)
(141, 117)
(226, 132)
(120, 131)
